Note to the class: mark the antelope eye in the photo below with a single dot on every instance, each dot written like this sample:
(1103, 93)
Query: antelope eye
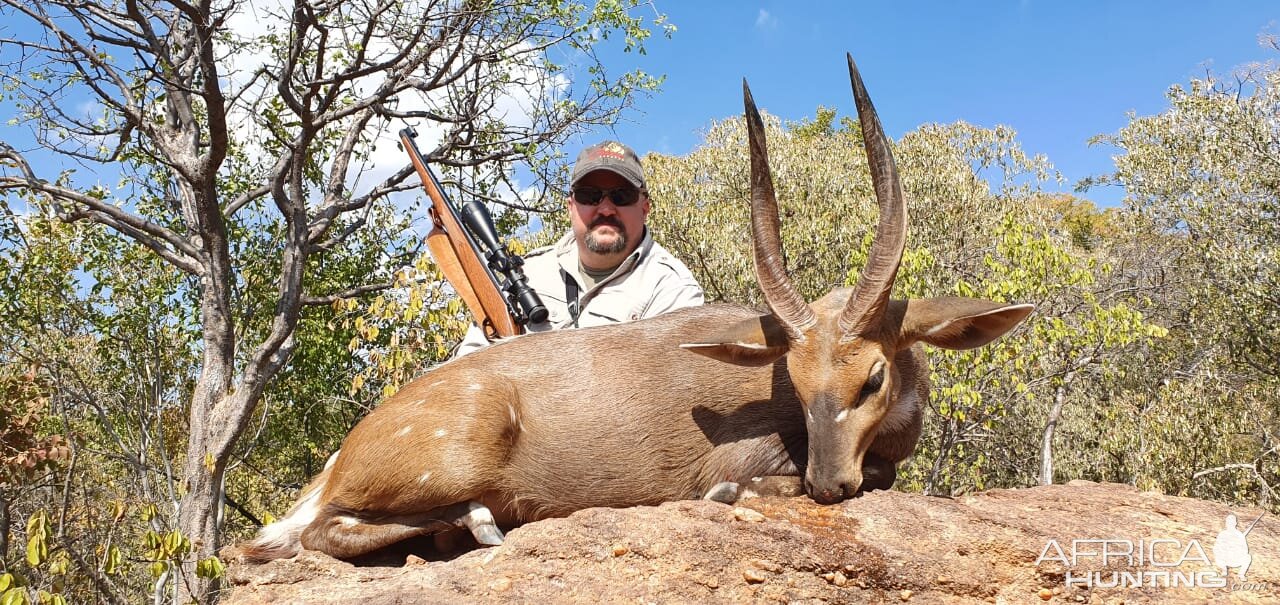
(873, 384)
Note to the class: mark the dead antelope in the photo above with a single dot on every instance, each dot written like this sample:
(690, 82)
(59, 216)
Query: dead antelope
(546, 424)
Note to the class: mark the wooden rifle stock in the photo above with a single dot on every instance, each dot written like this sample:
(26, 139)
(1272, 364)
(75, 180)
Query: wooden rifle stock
(458, 256)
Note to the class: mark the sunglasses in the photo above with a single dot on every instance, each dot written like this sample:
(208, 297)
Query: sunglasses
(591, 196)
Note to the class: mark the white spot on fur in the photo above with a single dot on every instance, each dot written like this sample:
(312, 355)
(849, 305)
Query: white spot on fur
(436, 384)
(425, 477)
(843, 415)
(475, 386)
(938, 329)
(511, 409)
(441, 432)
(348, 521)
(404, 431)
(899, 416)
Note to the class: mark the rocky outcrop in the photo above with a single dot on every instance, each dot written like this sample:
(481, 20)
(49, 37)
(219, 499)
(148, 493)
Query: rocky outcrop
(1000, 546)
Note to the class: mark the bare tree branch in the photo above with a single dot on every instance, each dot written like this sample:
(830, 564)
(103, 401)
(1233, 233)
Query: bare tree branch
(357, 291)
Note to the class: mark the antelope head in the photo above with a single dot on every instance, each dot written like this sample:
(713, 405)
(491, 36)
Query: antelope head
(843, 351)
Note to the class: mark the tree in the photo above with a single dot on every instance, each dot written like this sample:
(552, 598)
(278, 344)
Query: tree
(1202, 198)
(243, 160)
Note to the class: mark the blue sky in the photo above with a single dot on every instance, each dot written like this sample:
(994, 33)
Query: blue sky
(1056, 72)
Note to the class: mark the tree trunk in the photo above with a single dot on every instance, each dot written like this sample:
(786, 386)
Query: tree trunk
(199, 510)
(224, 397)
(199, 520)
(1046, 444)
(1055, 414)
(4, 525)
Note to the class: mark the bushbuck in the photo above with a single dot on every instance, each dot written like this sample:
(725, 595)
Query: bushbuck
(690, 404)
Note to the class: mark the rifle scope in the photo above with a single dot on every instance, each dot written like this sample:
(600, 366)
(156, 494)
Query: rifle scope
(476, 217)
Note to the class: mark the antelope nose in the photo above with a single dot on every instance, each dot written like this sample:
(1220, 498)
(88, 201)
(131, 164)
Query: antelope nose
(823, 495)
(828, 496)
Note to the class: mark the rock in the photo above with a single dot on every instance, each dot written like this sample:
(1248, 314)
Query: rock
(748, 515)
(754, 576)
(766, 565)
(994, 547)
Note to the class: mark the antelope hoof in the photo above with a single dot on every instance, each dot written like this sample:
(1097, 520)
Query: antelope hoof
(479, 519)
(488, 535)
(725, 492)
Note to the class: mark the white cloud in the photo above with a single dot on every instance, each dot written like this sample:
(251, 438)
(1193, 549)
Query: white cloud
(764, 20)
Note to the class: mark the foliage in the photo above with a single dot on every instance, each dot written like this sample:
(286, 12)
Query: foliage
(1202, 193)
(24, 451)
(1208, 170)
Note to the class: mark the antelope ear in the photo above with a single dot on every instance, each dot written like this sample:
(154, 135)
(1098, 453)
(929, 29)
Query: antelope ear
(959, 323)
(758, 341)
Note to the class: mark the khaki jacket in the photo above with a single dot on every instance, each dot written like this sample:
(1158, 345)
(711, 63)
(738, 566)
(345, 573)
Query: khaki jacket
(649, 282)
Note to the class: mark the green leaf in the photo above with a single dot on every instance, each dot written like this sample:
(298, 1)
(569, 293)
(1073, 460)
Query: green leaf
(14, 596)
(114, 561)
(157, 568)
(211, 568)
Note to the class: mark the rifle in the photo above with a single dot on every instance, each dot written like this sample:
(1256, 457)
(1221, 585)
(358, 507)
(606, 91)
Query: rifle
(495, 291)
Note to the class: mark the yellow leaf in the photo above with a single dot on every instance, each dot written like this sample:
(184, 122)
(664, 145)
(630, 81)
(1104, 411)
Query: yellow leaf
(37, 550)
(117, 509)
(114, 560)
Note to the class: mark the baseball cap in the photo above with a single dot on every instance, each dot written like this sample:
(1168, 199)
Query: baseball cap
(612, 156)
